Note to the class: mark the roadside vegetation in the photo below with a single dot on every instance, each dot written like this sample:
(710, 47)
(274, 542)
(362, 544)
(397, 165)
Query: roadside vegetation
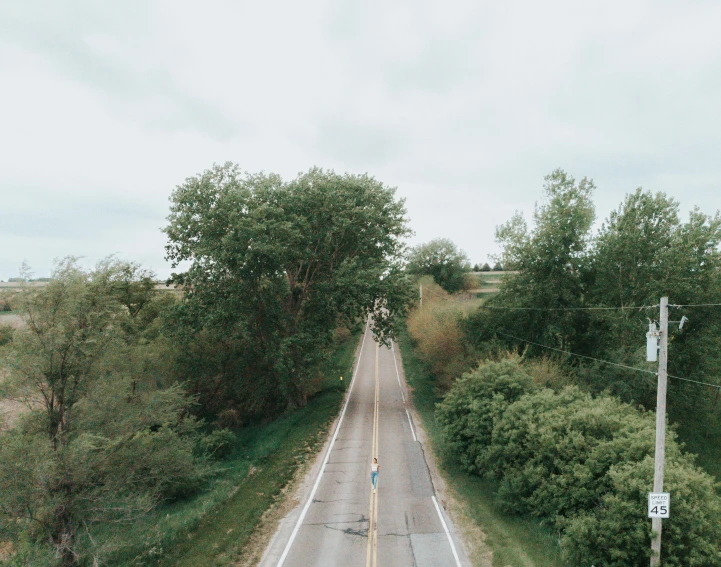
(157, 430)
(514, 540)
(569, 441)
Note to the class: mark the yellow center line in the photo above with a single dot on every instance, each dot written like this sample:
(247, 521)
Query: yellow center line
(372, 551)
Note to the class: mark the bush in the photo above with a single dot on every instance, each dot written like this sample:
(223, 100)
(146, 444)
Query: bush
(467, 413)
(582, 463)
(552, 451)
(6, 334)
(617, 533)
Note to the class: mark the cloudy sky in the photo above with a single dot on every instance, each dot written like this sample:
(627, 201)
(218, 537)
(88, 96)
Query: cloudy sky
(463, 106)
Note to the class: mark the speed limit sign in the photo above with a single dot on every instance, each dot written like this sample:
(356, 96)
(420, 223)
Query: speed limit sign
(659, 504)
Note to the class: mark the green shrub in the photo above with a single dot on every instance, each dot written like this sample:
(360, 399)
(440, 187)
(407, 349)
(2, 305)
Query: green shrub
(617, 533)
(581, 463)
(467, 413)
(6, 334)
(552, 451)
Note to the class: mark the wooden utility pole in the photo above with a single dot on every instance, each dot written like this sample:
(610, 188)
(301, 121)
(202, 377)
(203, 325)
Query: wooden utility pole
(660, 457)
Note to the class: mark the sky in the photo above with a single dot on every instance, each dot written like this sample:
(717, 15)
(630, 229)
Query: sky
(463, 106)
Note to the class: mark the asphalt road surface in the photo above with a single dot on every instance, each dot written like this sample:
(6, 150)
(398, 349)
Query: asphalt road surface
(342, 522)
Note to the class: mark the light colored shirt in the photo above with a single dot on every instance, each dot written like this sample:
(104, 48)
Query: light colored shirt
(374, 467)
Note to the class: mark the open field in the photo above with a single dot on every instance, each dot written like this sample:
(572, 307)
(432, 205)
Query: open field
(17, 286)
(487, 282)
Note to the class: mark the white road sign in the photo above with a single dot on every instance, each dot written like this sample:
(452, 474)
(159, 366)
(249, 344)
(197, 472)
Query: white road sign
(659, 504)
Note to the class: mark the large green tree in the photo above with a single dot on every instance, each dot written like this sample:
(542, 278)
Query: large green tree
(443, 260)
(645, 251)
(549, 262)
(100, 442)
(275, 267)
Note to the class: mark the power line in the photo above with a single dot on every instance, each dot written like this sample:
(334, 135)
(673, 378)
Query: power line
(606, 361)
(694, 381)
(568, 308)
(698, 305)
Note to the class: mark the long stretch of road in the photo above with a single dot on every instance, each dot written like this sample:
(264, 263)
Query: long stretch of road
(342, 522)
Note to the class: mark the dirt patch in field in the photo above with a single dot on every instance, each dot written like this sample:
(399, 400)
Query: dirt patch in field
(10, 411)
(6, 550)
(12, 320)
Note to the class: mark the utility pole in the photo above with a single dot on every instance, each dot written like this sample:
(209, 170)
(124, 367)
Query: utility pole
(660, 457)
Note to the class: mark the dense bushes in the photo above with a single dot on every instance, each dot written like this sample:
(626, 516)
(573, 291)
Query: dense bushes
(468, 410)
(615, 532)
(580, 463)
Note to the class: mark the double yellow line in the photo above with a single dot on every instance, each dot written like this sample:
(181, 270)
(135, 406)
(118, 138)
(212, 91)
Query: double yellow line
(372, 552)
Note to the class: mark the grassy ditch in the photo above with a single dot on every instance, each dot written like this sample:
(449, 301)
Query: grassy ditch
(215, 528)
(515, 541)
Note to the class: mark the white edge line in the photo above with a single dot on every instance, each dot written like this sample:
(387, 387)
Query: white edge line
(325, 461)
(448, 533)
(396, 363)
(403, 396)
(411, 424)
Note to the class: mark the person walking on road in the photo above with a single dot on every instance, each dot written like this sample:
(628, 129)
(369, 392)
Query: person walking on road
(375, 467)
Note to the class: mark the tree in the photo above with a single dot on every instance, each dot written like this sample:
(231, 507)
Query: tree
(551, 262)
(485, 268)
(276, 266)
(443, 260)
(641, 253)
(98, 443)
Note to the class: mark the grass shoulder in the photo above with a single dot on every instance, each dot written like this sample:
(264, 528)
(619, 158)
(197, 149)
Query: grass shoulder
(515, 541)
(219, 526)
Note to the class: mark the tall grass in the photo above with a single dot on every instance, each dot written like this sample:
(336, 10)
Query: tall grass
(437, 336)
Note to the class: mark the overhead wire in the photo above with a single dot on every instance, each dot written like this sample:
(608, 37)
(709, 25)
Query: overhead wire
(567, 308)
(634, 368)
(697, 305)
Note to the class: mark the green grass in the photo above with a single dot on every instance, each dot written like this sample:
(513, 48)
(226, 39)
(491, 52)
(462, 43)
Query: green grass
(515, 541)
(213, 528)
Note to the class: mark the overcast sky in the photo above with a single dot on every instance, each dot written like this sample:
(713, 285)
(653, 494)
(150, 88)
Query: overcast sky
(463, 106)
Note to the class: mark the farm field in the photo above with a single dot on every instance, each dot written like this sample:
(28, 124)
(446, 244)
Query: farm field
(488, 283)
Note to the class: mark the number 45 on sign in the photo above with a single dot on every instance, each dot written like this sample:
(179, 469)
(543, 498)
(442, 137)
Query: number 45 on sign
(659, 504)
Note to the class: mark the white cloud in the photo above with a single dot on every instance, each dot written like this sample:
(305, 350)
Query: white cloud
(464, 106)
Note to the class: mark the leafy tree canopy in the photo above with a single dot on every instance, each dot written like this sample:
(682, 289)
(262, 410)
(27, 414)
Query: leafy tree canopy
(100, 442)
(276, 266)
(443, 260)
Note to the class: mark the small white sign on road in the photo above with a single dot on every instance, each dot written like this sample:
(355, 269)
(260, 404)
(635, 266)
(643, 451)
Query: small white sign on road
(659, 504)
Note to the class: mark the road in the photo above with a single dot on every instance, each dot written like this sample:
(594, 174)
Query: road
(341, 522)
